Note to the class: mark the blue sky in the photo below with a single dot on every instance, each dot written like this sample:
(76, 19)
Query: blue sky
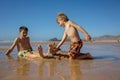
(98, 17)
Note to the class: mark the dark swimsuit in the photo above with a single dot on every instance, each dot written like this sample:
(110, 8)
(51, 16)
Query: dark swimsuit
(75, 48)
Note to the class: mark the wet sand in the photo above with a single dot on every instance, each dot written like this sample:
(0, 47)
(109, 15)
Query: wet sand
(105, 66)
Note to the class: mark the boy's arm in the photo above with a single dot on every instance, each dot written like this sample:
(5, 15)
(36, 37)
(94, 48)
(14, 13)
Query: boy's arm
(88, 37)
(62, 41)
(12, 47)
(30, 44)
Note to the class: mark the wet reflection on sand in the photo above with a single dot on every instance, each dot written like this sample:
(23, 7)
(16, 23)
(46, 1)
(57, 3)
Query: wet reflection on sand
(43, 69)
(105, 66)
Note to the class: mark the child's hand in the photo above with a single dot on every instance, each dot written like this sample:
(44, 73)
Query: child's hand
(88, 37)
(57, 49)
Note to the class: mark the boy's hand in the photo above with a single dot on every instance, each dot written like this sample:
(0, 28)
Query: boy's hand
(57, 49)
(88, 37)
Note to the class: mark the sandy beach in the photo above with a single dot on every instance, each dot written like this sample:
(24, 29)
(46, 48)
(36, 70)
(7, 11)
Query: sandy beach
(104, 66)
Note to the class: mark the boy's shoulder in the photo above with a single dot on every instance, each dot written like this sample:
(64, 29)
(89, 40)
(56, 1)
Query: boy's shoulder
(18, 38)
(71, 22)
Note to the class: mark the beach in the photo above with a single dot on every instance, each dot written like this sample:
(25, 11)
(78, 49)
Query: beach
(104, 66)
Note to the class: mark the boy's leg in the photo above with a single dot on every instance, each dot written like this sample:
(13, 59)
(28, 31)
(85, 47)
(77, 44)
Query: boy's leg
(50, 49)
(85, 56)
(75, 48)
(89, 56)
(31, 55)
(38, 53)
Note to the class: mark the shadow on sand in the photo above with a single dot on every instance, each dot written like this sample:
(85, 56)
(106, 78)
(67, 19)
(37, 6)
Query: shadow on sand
(107, 57)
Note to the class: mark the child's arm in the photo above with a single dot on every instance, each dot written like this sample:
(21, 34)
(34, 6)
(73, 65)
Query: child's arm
(88, 37)
(62, 41)
(30, 44)
(12, 47)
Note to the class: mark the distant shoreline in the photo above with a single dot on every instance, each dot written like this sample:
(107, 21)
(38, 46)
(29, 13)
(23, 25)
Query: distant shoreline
(66, 42)
(85, 42)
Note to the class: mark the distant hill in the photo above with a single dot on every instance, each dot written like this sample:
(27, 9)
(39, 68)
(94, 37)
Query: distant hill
(54, 39)
(107, 37)
(104, 37)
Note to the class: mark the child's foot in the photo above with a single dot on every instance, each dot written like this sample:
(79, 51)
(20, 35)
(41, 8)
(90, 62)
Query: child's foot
(89, 56)
(50, 49)
(40, 51)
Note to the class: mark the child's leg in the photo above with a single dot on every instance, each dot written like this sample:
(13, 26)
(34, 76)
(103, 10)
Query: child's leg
(75, 48)
(47, 56)
(38, 53)
(89, 56)
(51, 49)
(85, 56)
(31, 55)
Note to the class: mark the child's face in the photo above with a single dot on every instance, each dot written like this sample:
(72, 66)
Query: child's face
(23, 33)
(61, 22)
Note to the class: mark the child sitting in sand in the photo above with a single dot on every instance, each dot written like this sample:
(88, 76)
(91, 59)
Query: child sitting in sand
(23, 45)
(71, 32)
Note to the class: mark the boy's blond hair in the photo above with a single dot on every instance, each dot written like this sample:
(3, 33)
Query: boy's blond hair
(62, 16)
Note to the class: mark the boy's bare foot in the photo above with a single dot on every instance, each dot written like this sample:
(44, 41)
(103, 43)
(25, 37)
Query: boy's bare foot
(89, 56)
(40, 51)
(51, 49)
